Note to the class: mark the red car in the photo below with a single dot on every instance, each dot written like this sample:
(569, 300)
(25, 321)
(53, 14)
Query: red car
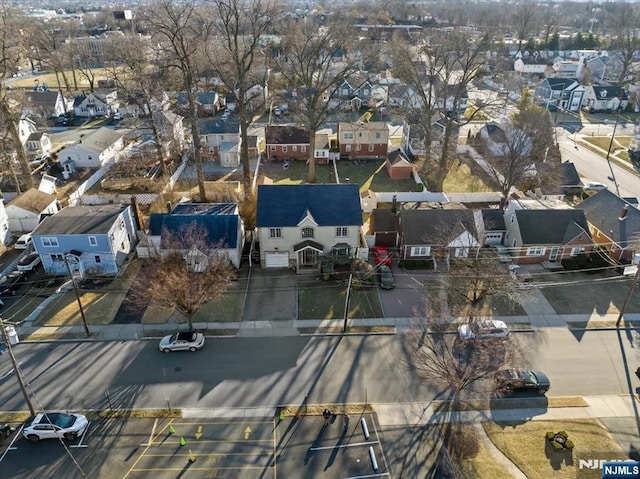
(381, 255)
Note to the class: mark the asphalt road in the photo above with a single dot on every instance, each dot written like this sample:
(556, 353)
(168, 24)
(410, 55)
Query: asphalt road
(248, 372)
(594, 167)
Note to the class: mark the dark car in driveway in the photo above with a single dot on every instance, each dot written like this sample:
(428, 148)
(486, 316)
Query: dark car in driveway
(386, 278)
(10, 283)
(509, 381)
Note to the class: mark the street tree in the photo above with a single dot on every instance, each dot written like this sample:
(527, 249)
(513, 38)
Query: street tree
(309, 66)
(459, 369)
(185, 273)
(236, 54)
(179, 33)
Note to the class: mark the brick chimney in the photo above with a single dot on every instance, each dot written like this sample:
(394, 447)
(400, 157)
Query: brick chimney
(623, 213)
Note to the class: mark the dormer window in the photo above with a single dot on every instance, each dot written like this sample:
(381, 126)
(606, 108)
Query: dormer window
(308, 232)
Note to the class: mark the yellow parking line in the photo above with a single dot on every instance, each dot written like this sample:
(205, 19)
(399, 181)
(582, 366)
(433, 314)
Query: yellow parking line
(145, 450)
(240, 421)
(202, 441)
(275, 469)
(205, 454)
(192, 468)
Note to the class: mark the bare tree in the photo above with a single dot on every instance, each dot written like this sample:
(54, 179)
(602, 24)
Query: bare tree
(236, 55)
(525, 21)
(185, 273)
(179, 32)
(310, 70)
(46, 41)
(626, 42)
(460, 369)
(10, 101)
(139, 78)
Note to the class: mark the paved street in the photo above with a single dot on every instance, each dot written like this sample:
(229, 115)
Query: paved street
(252, 372)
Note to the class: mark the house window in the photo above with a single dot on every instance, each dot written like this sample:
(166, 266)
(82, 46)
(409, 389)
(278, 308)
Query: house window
(377, 135)
(347, 135)
(57, 257)
(577, 250)
(370, 147)
(420, 250)
(303, 148)
(294, 148)
(93, 241)
(308, 232)
(358, 147)
(284, 148)
(275, 232)
(49, 242)
(97, 259)
(513, 217)
(535, 250)
(272, 148)
(342, 232)
(347, 148)
(462, 253)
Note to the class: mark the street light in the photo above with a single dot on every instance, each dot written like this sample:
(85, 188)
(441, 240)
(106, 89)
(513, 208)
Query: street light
(75, 289)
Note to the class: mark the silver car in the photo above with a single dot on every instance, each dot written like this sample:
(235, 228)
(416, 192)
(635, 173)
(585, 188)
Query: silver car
(483, 329)
(55, 425)
(189, 341)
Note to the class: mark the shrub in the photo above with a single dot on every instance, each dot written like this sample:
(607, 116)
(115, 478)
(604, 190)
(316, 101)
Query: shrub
(559, 441)
(465, 442)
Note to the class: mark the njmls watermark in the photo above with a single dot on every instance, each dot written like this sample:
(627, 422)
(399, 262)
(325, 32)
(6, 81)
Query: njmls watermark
(613, 469)
(597, 463)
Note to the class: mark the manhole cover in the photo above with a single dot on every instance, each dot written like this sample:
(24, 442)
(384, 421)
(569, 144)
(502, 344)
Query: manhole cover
(178, 369)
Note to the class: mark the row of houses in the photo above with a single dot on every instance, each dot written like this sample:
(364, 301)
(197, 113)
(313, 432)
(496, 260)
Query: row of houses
(300, 226)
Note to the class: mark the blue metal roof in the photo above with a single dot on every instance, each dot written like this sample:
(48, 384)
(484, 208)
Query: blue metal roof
(219, 221)
(328, 204)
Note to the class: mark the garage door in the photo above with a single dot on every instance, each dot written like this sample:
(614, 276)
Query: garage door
(277, 260)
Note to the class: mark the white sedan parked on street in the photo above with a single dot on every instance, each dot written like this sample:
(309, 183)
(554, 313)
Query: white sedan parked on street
(189, 341)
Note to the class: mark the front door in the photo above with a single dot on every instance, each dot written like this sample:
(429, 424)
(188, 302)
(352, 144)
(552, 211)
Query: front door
(308, 257)
(553, 254)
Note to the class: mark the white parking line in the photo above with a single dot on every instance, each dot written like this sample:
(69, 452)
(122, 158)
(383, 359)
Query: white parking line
(10, 447)
(153, 430)
(369, 475)
(82, 437)
(344, 445)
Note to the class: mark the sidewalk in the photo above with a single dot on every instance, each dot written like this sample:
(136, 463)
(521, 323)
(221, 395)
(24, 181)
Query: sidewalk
(416, 414)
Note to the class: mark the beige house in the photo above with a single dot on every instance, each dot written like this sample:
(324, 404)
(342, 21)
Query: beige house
(25, 211)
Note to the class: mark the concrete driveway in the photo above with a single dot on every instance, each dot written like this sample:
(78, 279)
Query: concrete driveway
(272, 295)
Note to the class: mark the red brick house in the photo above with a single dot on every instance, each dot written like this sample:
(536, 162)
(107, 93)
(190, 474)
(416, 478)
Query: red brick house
(398, 166)
(363, 141)
(536, 236)
(286, 143)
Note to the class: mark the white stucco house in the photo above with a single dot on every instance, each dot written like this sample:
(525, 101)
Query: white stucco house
(94, 150)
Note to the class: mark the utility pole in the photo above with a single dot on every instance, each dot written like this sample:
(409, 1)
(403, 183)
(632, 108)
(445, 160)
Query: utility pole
(613, 176)
(346, 304)
(16, 368)
(632, 288)
(75, 290)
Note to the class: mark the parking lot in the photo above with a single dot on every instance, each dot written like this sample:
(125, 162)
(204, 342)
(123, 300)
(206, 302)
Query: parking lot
(230, 448)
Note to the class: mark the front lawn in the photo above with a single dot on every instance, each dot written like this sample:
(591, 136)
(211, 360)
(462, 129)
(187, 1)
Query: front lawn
(326, 300)
(525, 445)
(601, 292)
(296, 173)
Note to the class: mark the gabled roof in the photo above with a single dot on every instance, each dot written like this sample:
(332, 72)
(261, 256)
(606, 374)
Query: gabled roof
(80, 97)
(435, 227)
(397, 158)
(603, 211)
(383, 220)
(214, 126)
(286, 135)
(560, 84)
(219, 221)
(42, 98)
(202, 97)
(101, 139)
(32, 200)
(551, 226)
(35, 136)
(609, 92)
(493, 219)
(569, 175)
(328, 204)
(77, 220)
